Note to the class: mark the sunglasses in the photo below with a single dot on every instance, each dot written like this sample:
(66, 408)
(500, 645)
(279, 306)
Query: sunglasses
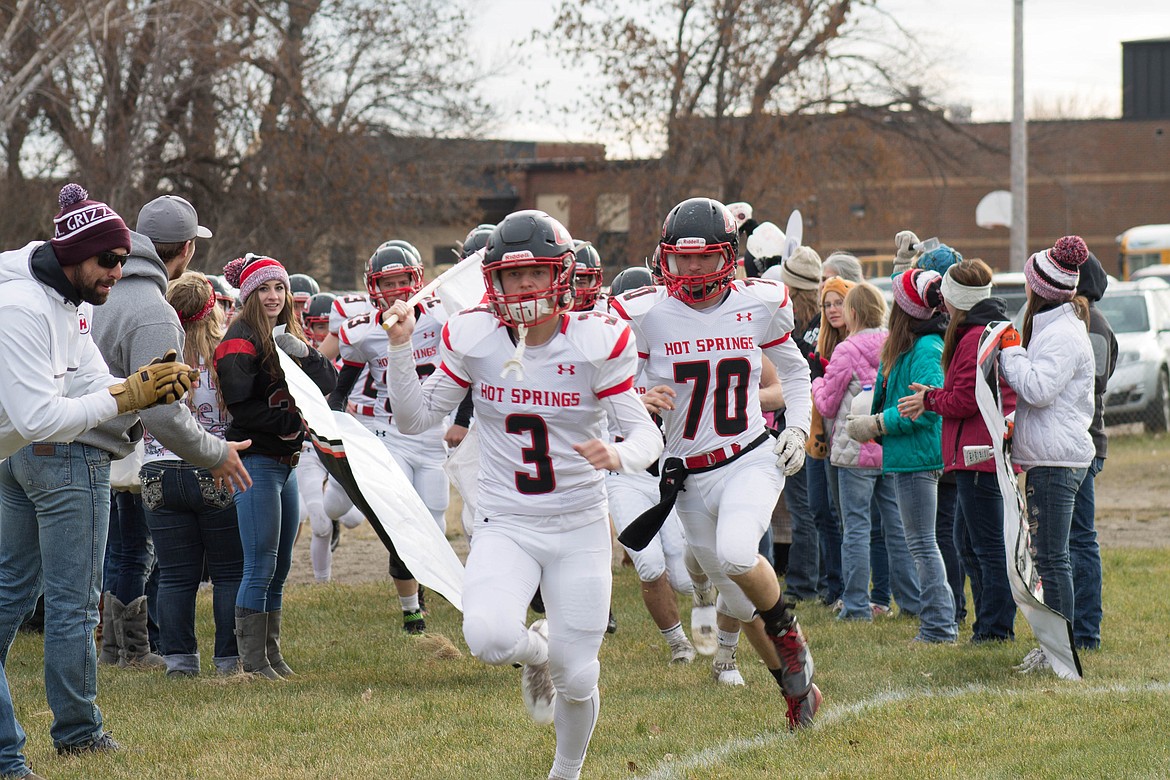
(111, 259)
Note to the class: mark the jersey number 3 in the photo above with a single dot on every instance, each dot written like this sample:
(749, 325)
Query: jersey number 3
(730, 412)
(537, 454)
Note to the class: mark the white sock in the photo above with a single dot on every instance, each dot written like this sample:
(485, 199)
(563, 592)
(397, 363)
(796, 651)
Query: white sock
(321, 557)
(409, 603)
(574, 721)
(728, 638)
(674, 635)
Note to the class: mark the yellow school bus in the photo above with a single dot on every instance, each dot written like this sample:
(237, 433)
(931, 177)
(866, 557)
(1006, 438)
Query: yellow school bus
(1143, 246)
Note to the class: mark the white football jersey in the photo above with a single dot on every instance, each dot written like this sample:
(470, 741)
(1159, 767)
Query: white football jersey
(344, 309)
(710, 357)
(528, 427)
(364, 342)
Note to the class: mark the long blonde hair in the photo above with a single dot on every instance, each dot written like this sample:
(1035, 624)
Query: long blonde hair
(867, 306)
(202, 324)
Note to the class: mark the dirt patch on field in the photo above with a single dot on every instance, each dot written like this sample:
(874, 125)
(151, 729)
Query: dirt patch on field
(1133, 510)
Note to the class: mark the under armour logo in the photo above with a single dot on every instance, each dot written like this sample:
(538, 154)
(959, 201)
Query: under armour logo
(743, 315)
(566, 368)
(429, 335)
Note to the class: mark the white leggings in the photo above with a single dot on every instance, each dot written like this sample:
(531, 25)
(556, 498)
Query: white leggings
(506, 564)
(629, 496)
(724, 512)
(510, 557)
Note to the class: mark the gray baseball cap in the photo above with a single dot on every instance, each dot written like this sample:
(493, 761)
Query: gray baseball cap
(169, 219)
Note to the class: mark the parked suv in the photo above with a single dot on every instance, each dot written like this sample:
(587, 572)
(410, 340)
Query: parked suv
(1139, 391)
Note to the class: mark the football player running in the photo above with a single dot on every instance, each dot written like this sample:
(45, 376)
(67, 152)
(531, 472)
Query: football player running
(701, 336)
(542, 514)
(394, 273)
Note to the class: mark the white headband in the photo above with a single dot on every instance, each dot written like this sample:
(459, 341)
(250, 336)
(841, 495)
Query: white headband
(961, 296)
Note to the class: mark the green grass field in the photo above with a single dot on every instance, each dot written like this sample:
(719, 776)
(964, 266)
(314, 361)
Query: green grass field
(370, 702)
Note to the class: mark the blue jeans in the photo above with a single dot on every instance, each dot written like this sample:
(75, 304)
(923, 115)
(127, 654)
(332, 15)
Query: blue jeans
(54, 507)
(918, 507)
(981, 517)
(129, 552)
(268, 513)
(944, 534)
(879, 563)
(859, 490)
(1051, 493)
(1085, 555)
(822, 501)
(800, 582)
(192, 521)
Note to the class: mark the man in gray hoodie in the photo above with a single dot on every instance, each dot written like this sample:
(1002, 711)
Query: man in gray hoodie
(135, 325)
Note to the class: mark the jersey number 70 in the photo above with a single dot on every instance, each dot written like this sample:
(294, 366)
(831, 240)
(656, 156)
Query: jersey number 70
(730, 413)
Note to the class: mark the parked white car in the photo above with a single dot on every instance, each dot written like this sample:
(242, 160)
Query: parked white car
(1139, 391)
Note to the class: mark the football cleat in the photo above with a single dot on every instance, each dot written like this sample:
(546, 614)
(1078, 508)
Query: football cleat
(725, 670)
(413, 622)
(536, 685)
(802, 709)
(682, 652)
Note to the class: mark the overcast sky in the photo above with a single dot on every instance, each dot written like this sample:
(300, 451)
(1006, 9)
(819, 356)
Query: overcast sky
(1072, 56)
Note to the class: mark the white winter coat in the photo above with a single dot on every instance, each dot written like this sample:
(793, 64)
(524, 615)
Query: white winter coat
(1053, 380)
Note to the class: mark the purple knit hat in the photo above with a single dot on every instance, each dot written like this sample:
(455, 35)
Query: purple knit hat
(1053, 273)
(85, 228)
(916, 292)
(250, 271)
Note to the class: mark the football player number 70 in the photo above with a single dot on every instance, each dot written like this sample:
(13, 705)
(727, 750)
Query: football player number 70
(536, 454)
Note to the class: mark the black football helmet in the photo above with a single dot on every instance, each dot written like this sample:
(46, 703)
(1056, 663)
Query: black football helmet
(476, 240)
(524, 239)
(586, 276)
(317, 315)
(632, 278)
(390, 259)
(697, 226)
(303, 287)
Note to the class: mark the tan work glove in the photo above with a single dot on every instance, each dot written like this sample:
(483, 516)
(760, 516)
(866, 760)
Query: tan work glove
(162, 381)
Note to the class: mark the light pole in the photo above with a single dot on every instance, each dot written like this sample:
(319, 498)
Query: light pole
(1019, 164)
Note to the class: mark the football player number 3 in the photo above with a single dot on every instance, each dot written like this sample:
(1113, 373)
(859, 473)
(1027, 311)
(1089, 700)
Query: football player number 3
(536, 454)
(730, 408)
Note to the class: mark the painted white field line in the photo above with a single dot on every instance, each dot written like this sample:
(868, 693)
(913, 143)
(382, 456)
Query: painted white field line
(719, 754)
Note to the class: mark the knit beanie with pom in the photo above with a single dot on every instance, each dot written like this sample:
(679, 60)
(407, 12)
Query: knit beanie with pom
(250, 271)
(85, 228)
(1053, 273)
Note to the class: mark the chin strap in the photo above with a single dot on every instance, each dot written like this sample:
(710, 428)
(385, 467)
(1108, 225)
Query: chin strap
(514, 363)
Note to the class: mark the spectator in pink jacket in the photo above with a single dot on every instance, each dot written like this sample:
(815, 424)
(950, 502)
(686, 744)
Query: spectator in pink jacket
(966, 290)
(857, 466)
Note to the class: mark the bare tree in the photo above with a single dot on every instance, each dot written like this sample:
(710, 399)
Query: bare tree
(732, 92)
(275, 117)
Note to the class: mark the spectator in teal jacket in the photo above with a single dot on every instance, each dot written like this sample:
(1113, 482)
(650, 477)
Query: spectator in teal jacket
(912, 449)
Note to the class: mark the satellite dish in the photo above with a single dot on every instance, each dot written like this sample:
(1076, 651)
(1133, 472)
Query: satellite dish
(995, 210)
